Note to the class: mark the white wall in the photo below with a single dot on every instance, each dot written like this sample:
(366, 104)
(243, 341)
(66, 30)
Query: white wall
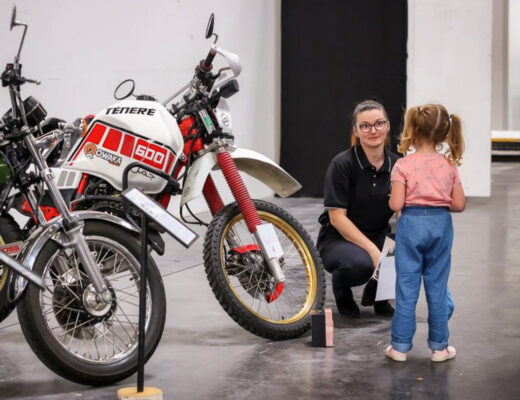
(81, 50)
(514, 65)
(449, 50)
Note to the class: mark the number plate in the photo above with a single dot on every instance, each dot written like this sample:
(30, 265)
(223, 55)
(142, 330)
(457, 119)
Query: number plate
(155, 211)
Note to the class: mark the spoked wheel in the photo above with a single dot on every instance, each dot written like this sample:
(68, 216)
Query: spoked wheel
(242, 281)
(78, 337)
(10, 232)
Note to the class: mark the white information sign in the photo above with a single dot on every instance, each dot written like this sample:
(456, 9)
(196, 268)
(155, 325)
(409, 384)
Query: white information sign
(386, 281)
(387, 276)
(270, 241)
(156, 212)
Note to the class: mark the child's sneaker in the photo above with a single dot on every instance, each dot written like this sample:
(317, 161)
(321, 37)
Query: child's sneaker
(394, 354)
(443, 355)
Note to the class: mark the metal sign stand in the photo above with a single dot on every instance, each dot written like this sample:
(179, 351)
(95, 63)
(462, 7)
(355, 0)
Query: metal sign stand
(150, 209)
(142, 303)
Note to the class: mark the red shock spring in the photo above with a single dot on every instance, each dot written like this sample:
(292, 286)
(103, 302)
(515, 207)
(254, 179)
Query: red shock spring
(239, 190)
(212, 196)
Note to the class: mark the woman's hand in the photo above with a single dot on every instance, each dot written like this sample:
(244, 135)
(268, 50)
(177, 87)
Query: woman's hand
(375, 255)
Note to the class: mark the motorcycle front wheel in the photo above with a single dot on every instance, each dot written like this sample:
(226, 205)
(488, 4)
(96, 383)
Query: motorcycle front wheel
(70, 332)
(242, 282)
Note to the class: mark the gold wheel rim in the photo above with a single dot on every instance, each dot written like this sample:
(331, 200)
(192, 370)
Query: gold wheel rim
(307, 263)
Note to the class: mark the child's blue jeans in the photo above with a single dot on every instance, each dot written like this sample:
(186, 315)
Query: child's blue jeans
(423, 248)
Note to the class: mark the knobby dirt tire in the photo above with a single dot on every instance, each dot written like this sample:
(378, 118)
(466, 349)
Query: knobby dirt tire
(9, 232)
(54, 354)
(236, 299)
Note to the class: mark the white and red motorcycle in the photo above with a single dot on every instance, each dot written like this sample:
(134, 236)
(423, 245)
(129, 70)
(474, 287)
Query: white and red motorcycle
(260, 262)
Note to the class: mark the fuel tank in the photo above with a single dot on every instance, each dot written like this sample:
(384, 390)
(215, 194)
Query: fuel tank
(126, 132)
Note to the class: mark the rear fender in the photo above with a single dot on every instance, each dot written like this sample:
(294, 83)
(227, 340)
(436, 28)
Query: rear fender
(252, 163)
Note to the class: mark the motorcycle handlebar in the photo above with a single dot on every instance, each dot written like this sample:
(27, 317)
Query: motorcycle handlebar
(36, 82)
(206, 64)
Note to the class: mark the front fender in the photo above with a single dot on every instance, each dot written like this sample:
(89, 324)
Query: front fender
(252, 163)
(47, 232)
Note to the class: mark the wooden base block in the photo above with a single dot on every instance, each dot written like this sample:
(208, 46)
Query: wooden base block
(322, 328)
(148, 393)
(329, 328)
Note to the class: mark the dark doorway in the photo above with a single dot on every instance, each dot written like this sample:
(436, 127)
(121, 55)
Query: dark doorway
(335, 54)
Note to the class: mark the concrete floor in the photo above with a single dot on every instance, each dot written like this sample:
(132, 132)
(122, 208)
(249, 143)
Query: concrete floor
(204, 354)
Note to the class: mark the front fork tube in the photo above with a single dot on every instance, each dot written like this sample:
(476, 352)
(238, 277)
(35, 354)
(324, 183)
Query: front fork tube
(248, 209)
(216, 204)
(72, 229)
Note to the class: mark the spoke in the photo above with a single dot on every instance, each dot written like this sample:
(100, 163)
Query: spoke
(63, 307)
(105, 339)
(129, 315)
(122, 276)
(82, 342)
(114, 268)
(114, 336)
(288, 292)
(94, 342)
(71, 336)
(106, 252)
(123, 327)
(292, 253)
(134, 293)
(296, 280)
(129, 302)
(118, 268)
(76, 326)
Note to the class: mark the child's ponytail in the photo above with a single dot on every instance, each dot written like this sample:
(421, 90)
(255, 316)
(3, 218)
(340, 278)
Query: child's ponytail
(455, 140)
(410, 124)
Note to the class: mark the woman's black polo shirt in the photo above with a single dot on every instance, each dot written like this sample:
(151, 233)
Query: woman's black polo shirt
(353, 184)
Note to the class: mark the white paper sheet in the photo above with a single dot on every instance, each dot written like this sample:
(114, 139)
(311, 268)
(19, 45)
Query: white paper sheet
(386, 282)
(386, 279)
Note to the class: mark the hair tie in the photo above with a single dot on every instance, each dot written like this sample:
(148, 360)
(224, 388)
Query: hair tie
(450, 120)
(419, 109)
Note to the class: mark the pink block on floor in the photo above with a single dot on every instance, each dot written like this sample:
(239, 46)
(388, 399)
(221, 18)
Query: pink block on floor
(329, 328)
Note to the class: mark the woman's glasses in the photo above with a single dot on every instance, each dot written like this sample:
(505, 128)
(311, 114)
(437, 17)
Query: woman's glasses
(365, 127)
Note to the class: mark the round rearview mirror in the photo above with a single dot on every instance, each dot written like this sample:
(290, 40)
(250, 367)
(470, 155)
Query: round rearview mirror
(124, 89)
(13, 18)
(209, 29)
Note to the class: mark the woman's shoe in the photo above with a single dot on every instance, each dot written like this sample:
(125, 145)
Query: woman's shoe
(394, 354)
(443, 355)
(383, 308)
(345, 302)
(350, 310)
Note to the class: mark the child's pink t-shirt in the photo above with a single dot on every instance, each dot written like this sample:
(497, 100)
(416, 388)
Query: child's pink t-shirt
(428, 178)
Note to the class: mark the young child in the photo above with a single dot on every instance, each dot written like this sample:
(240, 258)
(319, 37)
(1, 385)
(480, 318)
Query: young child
(425, 187)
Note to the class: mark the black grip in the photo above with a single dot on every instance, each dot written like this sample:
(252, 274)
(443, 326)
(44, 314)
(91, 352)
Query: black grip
(206, 65)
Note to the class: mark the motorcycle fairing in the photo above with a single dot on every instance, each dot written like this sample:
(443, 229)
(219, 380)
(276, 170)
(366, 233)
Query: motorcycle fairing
(252, 163)
(124, 133)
